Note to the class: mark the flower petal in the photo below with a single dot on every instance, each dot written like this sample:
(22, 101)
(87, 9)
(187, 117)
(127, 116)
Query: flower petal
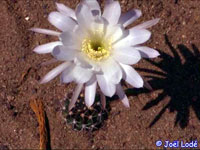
(103, 100)
(63, 53)
(127, 55)
(48, 62)
(129, 17)
(112, 71)
(122, 96)
(94, 7)
(76, 73)
(147, 24)
(46, 48)
(75, 96)
(90, 92)
(82, 75)
(82, 61)
(107, 88)
(112, 12)
(84, 17)
(135, 37)
(67, 75)
(53, 73)
(65, 10)
(147, 52)
(99, 24)
(131, 76)
(45, 31)
(69, 39)
(61, 21)
(114, 32)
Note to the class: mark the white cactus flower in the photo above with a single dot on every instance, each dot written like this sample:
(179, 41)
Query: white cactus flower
(96, 49)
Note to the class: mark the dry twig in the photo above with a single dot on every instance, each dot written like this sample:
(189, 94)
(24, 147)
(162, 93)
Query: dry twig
(38, 108)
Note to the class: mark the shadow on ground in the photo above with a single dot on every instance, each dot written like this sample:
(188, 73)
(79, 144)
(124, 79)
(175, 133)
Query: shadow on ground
(179, 80)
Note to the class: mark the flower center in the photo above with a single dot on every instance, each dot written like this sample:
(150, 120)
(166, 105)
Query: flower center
(96, 48)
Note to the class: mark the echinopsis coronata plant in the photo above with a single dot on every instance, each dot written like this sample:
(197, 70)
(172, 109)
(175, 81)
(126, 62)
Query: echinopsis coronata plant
(82, 118)
(96, 49)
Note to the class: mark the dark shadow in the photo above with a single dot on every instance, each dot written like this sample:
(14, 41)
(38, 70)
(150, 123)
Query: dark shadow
(136, 91)
(179, 79)
(48, 146)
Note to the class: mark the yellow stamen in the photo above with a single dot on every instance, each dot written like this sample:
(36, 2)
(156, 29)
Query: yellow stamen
(95, 47)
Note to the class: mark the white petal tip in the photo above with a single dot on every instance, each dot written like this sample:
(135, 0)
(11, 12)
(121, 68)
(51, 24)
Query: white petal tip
(139, 12)
(155, 21)
(88, 104)
(89, 107)
(125, 102)
(36, 50)
(42, 82)
(58, 4)
(33, 29)
(155, 54)
(127, 105)
(70, 108)
(140, 84)
(158, 54)
(110, 95)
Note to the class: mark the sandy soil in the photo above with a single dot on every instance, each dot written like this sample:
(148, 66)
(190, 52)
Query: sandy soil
(169, 112)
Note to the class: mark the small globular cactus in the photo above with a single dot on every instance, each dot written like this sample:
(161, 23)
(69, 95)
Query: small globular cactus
(83, 118)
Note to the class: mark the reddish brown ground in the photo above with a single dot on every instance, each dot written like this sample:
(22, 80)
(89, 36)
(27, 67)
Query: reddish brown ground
(138, 127)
